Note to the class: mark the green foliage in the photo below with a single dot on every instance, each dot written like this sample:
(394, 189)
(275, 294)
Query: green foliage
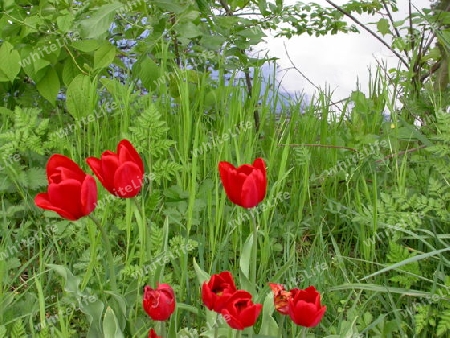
(149, 133)
(27, 132)
(18, 329)
(354, 202)
(398, 253)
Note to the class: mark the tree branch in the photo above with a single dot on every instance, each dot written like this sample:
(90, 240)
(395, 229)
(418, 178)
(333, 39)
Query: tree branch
(359, 23)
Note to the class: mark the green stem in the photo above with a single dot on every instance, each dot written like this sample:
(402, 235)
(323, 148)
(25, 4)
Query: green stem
(162, 329)
(304, 331)
(107, 243)
(281, 327)
(239, 334)
(216, 327)
(254, 252)
(254, 260)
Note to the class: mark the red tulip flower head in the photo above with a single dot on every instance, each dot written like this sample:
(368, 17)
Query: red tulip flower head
(159, 303)
(246, 185)
(281, 297)
(121, 173)
(217, 291)
(305, 308)
(152, 334)
(71, 192)
(240, 312)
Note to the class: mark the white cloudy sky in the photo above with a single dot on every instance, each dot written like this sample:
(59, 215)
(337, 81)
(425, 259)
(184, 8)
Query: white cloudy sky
(334, 60)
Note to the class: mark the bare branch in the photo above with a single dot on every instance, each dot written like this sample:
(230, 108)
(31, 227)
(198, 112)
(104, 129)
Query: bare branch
(359, 23)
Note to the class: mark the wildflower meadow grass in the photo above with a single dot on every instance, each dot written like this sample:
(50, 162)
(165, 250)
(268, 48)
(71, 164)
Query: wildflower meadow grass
(170, 203)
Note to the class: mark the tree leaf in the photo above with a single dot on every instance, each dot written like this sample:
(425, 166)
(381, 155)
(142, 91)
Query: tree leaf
(100, 22)
(9, 60)
(80, 97)
(188, 30)
(104, 56)
(49, 85)
(383, 26)
(148, 72)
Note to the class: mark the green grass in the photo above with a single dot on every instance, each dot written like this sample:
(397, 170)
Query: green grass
(334, 230)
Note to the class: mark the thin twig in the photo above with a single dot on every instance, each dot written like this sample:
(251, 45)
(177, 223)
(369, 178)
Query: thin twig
(318, 146)
(307, 79)
(391, 19)
(340, 9)
(401, 153)
(411, 30)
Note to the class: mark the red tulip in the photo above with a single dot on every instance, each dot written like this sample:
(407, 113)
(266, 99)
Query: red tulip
(218, 290)
(71, 192)
(240, 312)
(281, 297)
(159, 303)
(245, 186)
(152, 334)
(305, 308)
(120, 173)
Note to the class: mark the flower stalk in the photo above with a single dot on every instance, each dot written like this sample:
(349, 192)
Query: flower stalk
(107, 243)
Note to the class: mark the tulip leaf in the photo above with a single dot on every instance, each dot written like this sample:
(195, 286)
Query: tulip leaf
(268, 325)
(71, 282)
(244, 264)
(120, 307)
(110, 325)
(81, 96)
(201, 275)
(246, 256)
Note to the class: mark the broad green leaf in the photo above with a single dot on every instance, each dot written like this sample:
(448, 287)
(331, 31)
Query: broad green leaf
(100, 22)
(246, 256)
(169, 6)
(70, 71)
(3, 77)
(86, 46)
(80, 97)
(93, 311)
(110, 325)
(148, 72)
(383, 26)
(399, 43)
(201, 275)
(39, 64)
(49, 85)
(9, 60)
(268, 324)
(65, 22)
(212, 42)
(104, 56)
(71, 282)
(188, 30)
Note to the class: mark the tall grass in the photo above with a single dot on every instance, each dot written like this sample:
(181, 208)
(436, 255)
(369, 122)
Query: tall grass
(334, 190)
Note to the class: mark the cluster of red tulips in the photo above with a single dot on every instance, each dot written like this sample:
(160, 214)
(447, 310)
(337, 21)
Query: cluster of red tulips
(73, 194)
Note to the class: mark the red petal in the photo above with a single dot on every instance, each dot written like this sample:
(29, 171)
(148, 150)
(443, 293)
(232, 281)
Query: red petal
(42, 201)
(89, 196)
(127, 152)
(250, 193)
(250, 314)
(128, 180)
(228, 174)
(58, 161)
(66, 196)
(109, 164)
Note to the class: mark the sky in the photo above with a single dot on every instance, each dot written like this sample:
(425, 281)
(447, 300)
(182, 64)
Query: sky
(336, 61)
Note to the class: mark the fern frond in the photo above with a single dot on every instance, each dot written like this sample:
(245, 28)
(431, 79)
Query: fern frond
(18, 330)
